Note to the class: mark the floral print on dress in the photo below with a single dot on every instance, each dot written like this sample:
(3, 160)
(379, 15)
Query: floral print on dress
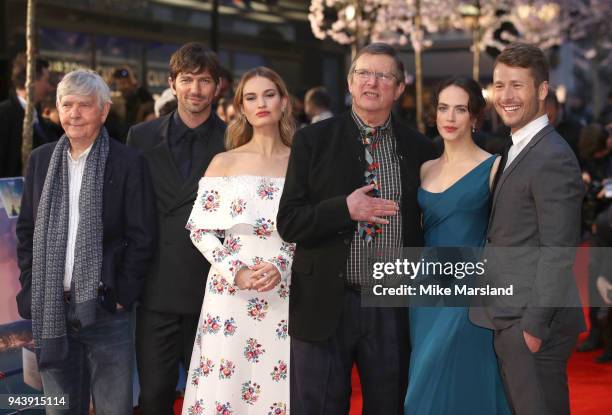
(211, 324)
(257, 308)
(190, 225)
(229, 327)
(288, 249)
(237, 207)
(263, 228)
(231, 289)
(197, 234)
(266, 189)
(223, 409)
(220, 253)
(278, 408)
(279, 372)
(226, 369)
(253, 350)
(283, 290)
(282, 330)
(205, 368)
(233, 244)
(217, 284)
(197, 408)
(242, 334)
(210, 200)
(281, 262)
(235, 265)
(250, 392)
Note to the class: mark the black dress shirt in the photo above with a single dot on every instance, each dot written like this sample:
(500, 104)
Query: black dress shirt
(181, 139)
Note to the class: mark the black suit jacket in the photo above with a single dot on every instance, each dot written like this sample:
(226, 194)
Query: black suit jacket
(11, 128)
(177, 279)
(327, 164)
(128, 219)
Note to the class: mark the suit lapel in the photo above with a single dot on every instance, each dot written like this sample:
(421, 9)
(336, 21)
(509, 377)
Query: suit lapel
(164, 171)
(403, 140)
(498, 173)
(354, 150)
(517, 160)
(162, 158)
(108, 168)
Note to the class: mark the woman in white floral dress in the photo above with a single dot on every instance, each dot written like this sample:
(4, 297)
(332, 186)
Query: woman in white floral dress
(240, 361)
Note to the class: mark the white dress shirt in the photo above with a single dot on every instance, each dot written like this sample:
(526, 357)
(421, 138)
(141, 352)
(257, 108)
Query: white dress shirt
(24, 104)
(76, 168)
(522, 137)
(321, 116)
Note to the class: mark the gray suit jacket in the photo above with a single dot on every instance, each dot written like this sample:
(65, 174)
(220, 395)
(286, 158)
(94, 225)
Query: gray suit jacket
(534, 228)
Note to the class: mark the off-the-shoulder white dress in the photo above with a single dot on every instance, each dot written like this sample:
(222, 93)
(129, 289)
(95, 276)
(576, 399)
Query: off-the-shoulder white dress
(240, 360)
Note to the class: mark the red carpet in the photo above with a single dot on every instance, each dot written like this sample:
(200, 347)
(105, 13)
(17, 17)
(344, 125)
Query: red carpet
(590, 385)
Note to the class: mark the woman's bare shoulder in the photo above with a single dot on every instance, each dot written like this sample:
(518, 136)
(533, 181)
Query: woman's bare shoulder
(219, 164)
(425, 167)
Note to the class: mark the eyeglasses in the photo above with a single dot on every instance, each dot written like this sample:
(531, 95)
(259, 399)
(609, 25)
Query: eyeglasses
(365, 75)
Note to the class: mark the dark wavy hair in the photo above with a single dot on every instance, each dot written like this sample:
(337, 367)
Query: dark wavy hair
(194, 57)
(476, 102)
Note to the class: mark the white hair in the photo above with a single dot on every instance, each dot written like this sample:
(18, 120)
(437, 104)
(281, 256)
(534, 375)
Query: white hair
(163, 99)
(84, 82)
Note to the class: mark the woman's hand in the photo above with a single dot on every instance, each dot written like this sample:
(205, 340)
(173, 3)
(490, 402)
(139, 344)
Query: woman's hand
(265, 276)
(244, 278)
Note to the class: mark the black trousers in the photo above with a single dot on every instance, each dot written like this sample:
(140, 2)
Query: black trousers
(535, 383)
(163, 340)
(376, 340)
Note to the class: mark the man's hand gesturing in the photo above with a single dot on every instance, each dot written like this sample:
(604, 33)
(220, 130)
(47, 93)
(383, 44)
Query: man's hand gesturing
(370, 209)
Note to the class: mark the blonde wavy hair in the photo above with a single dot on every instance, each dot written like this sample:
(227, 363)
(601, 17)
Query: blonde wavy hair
(240, 132)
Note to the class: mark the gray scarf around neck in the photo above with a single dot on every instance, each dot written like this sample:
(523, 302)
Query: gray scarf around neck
(49, 250)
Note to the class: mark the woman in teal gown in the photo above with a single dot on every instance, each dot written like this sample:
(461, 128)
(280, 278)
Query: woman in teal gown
(453, 367)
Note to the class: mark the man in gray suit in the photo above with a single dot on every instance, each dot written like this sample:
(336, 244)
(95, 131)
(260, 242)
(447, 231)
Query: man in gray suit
(534, 223)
